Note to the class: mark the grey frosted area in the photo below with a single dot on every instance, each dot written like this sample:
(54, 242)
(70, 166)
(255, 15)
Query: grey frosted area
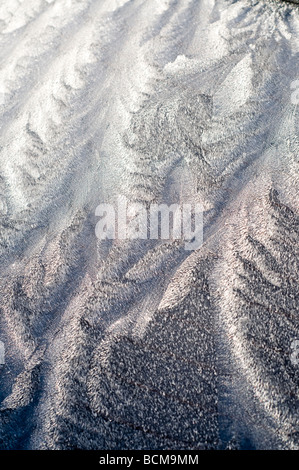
(141, 344)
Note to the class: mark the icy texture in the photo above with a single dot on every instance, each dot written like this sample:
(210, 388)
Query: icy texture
(141, 344)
